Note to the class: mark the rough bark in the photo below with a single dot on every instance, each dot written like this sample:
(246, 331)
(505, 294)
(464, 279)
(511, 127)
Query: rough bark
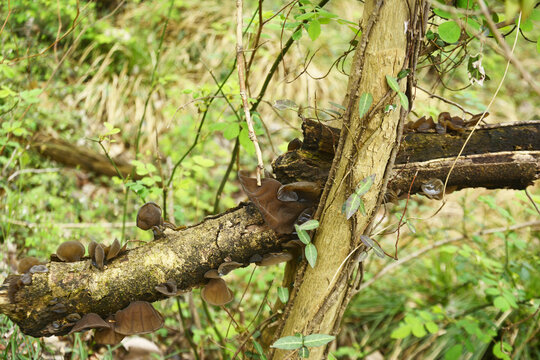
(183, 256)
(497, 156)
(321, 293)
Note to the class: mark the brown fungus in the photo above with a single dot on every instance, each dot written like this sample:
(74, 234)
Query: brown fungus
(73, 317)
(278, 215)
(26, 263)
(99, 257)
(168, 288)
(148, 216)
(89, 321)
(275, 258)
(114, 249)
(58, 308)
(227, 267)
(302, 191)
(139, 317)
(212, 274)
(70, 251)
(295, 144)
(255, 258)
(108, 336)
(216, 292)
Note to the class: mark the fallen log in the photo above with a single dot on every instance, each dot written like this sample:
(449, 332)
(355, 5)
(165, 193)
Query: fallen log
(238, 234)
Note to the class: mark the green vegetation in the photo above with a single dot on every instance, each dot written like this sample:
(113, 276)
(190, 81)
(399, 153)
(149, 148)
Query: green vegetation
(154, 83)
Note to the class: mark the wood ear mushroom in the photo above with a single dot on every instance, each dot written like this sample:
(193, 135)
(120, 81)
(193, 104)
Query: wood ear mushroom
(280, 205)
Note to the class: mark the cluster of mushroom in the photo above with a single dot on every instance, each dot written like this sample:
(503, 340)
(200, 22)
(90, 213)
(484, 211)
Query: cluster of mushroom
(139, 317)
(446, 123)
(100, 255)
(149, 218)
(282, 206)
(71, 251)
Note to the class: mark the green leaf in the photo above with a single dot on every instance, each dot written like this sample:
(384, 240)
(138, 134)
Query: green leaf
(297, 35)
(302, 235)
(500, 354)
(442, 13)
(403, 100)
(231, 131)
(454, 352)
(362, 208)
(492, 291)
(363, 105)
(501, 303)
(411, 227)
(283, 294)
(259, 349)
(431, 327)
(449, 31)
(364, 185)
(309, 225)
(303, 352)
(392, 82)
(314, 340)
(418, 330)
(246, 143)
(288, 343)
(311, 254)
(202, 161)
(401, 332)
(403, 74)
(351, 205)
(314, 30)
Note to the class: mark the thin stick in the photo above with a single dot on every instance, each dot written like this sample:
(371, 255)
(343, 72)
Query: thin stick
(240, 63)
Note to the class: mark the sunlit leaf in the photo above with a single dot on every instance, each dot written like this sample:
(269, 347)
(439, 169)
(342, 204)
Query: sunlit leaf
(364, 185)
(302, 235)
(283, 294)
(401, 332)
(501, 303)
(364, 103)
(311, 254)
(314, 30)
(449, 31)
(351, 205)
(392, 82)
(314, 340)
(303, 352)
(309, 225)
(404, 100)
(288, 343)
(454, 352)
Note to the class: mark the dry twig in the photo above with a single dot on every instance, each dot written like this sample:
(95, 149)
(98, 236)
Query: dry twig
(240, 63)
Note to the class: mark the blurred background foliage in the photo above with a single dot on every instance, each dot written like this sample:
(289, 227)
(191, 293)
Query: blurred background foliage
(91, 72)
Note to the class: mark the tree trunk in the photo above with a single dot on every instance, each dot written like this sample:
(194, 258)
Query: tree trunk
(321, 294)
